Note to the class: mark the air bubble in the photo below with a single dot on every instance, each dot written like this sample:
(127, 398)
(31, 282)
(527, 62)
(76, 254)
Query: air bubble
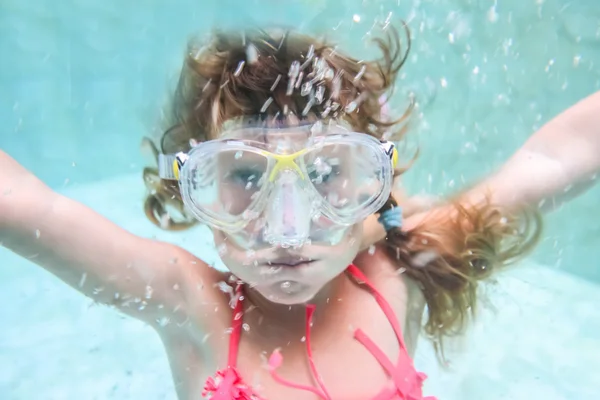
(238, 154)
(293, 73)
(82, 280)
(286, 285)
(266, 105)
(37, 233)
(149, 291)
(320, 94)
(299, 80)
(165, 221)
(360, 73)
(251, 54)
(492, 15)
(224, 287)
(276, 82)
(309, 105)
(541, 203)
(336, 86)
(329, 74)
(351, 107)
(289, 287)
(239, 68)
(371, 249)
(423, 258)
(311, 52)
(98, 290)
(306, 88)
(233, 300)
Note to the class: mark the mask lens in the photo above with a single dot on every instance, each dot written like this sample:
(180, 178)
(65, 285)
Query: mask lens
(225, 183)
(348, 176)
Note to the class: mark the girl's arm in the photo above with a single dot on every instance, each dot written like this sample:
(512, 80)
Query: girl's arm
(556, 164)
(143, 278)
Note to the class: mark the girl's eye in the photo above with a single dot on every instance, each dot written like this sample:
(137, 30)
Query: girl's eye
(245, 176)
(322, 171)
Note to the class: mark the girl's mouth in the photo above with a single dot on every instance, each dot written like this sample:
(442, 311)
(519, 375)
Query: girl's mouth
(289, 262)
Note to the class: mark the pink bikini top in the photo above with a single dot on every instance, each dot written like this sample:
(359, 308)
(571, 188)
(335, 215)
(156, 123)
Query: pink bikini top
(227, 384)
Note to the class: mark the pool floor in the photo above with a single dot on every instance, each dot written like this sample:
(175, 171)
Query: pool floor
(536, 337)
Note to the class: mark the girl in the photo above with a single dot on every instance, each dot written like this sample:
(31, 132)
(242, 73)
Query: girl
(276, 143)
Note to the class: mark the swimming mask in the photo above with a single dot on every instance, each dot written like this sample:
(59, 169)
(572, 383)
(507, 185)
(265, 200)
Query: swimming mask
(288, 178)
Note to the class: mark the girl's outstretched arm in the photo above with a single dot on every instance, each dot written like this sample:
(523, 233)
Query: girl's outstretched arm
(143, 278)
(556, 164)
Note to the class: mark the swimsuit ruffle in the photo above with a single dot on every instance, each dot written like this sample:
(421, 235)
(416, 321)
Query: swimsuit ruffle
(227, 384)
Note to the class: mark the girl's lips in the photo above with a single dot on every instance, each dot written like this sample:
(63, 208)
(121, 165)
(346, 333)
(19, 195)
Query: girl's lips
(289, 262)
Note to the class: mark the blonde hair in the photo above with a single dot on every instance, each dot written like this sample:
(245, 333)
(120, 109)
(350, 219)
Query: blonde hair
(278, 74)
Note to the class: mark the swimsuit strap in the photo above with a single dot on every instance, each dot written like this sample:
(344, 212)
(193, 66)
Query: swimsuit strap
(398, 374)
(236, 328)
(276, 360)
(227, 384)
(383, 304)
(407, 380)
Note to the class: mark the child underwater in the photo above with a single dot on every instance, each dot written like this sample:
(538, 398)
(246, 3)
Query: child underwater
(277, 144)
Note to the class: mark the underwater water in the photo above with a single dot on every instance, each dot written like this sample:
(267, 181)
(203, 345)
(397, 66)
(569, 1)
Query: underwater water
(82, 81)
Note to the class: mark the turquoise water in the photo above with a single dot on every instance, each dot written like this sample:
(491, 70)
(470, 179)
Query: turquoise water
(82, 81)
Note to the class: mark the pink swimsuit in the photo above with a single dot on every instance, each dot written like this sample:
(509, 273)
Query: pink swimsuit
(228, 384)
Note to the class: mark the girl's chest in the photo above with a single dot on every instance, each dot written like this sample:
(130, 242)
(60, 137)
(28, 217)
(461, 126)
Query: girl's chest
(352, 357)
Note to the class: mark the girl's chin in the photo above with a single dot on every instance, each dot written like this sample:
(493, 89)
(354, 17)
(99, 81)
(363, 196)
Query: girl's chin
(288, 292)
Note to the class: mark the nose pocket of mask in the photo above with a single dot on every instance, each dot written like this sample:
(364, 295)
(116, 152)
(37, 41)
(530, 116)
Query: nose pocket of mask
(288, 215)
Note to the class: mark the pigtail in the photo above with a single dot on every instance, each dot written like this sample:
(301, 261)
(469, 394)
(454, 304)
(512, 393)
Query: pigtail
(163, 205)
(452, 250)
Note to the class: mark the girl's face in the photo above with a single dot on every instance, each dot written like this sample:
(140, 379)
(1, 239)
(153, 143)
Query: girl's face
(289, 251)
(287, 204)
(289, 275)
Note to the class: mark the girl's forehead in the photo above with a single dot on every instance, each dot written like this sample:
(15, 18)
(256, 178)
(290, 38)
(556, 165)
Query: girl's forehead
(277, 130)
(283, 139)
(280, 140)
